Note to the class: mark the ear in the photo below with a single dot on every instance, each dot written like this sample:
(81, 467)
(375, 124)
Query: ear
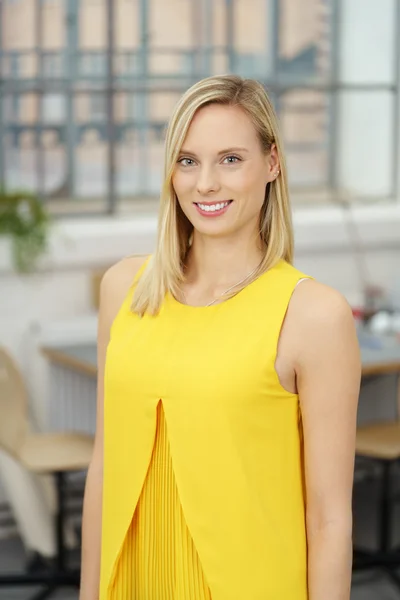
(273, 166)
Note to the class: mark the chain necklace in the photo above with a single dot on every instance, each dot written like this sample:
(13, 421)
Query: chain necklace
(229, 289)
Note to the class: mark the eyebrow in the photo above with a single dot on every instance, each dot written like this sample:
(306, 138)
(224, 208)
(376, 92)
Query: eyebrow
(226, 151)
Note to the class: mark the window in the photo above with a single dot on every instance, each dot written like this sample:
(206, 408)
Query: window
(52, 65)
(291, 47)
(98, 107)
(12, 108)
(93, 64)
(53, 108)
(14, 65)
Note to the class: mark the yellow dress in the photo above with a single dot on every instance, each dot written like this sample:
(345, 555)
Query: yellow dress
(164, 566)
(203, 494)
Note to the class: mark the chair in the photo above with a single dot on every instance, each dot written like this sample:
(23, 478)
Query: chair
(42, 453)
(95, 281)
(380, 442)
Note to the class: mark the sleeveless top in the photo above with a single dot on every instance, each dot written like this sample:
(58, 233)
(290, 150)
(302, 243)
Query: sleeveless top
(233, 436)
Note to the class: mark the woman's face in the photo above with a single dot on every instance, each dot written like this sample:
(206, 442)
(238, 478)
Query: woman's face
(222, 172)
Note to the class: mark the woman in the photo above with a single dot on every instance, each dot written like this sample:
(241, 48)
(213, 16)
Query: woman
(230, 391)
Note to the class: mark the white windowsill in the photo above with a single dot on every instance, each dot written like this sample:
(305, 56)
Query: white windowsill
(101, 241)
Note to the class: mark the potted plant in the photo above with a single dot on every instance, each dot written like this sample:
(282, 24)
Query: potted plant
(24, 218)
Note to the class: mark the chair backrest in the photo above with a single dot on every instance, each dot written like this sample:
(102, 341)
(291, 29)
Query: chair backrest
(13, 405)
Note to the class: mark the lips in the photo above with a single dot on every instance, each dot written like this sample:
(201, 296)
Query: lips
(212, 209)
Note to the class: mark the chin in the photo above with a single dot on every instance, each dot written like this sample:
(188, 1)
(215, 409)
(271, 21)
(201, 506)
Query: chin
(213, 230)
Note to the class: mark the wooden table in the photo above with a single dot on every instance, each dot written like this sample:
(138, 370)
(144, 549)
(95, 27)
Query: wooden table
(380, 356)
(73, 371)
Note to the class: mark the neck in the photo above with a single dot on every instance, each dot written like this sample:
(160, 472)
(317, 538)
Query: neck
(215, 263)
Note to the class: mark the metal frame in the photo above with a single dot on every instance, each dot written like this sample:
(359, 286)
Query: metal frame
(2, 166)
(40, 165)
(110, 96)
(140, 85)
(56, 574)
(229, 34)
(334, 116)
(274, 51)
(70, 54)
(144, 24)
(385, 558)
(396, 109)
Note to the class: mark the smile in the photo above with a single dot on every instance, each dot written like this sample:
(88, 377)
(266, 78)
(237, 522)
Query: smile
(213, 209)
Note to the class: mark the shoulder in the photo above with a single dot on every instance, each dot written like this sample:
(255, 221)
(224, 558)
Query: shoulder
(122, 273)
(315, 304)
(321, 320)
(115, 284)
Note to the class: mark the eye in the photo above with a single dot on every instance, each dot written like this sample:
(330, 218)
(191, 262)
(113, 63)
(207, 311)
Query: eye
(186, 162)
(232, 159)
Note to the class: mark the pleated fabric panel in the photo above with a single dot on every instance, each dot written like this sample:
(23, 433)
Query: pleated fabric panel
(159, 560)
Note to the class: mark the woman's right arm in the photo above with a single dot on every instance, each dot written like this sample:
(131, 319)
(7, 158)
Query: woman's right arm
(114, 286)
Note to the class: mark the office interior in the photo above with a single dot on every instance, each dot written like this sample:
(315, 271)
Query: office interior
(86, 89)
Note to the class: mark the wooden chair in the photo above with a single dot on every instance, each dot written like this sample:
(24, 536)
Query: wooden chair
(41, 453)
(380, 442)
(96, 277)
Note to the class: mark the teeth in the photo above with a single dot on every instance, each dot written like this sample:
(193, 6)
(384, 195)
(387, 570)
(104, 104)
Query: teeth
(213, 207)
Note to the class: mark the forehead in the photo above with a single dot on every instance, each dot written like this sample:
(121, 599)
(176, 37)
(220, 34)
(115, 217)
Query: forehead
(218, 126)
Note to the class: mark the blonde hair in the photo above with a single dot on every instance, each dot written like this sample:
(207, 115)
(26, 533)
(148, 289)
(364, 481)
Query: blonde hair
(165, 269)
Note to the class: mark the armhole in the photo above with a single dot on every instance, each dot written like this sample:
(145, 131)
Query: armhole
(280, 328)
(286, 307)
(127, 299)
(140, 271)
(299, 281)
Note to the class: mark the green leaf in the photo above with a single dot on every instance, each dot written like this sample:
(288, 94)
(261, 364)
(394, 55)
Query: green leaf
(24, 217)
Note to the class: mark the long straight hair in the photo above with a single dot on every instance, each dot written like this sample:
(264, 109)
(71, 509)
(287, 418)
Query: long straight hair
(164, 271)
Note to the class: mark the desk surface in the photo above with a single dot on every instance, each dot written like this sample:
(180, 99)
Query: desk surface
(380, 355)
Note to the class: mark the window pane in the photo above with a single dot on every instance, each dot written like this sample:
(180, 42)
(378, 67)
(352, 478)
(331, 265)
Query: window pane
(53, 25)
(91, 146)
(304, 118)
(20, 165)
(303, 33)
(92, 24)
(375, 28)
(366, 141)
(253, 56)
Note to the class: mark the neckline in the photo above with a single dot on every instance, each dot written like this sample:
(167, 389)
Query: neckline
(231, 300)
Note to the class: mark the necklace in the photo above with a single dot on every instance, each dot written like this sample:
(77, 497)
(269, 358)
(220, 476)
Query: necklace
(229, 289)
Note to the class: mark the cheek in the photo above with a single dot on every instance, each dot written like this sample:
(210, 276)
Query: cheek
(183, 183)
(183, 192)
(175, 183)
(249, 181)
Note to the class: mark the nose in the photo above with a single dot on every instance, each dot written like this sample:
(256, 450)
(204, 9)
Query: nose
(207, 182)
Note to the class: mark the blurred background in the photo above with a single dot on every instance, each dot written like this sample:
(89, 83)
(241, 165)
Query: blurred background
(86, 89)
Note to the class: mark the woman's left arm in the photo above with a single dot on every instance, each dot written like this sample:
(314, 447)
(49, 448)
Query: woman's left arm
(328, 372)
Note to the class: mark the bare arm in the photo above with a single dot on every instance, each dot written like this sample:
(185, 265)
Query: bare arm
(328, 374)
(114, 286)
